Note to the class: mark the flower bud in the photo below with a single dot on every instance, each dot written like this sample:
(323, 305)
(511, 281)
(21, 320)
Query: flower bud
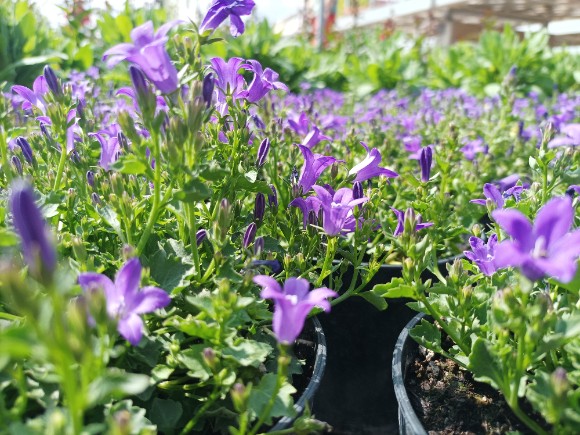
(263, 152)
(26, 149)
(240, 396)
(17, 164)
(209, 357)
(258, 246)
(123, 142)
(334, 171)
(259, 207)
(52, 81)
(425, 160)
(146, 99)
(200, 236)
(273, 197)
(39, 252)
(95, 198)
(410, 221)
(79, 249)
(560, 381)
(91, 179)
(258, 122)
(249, 235)
(45, 132)
(357, 190)
(207, 89)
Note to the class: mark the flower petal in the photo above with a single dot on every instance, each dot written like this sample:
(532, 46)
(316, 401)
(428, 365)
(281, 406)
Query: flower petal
(297, 286)
(131, 328)
(128, 278)
(554, 220)
(318, 297)
(148, 299)
(516, 225)
(508, 253)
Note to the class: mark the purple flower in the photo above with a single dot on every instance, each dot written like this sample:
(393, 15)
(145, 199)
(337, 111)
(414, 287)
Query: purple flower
(492, 193)
(471, 148)
(307, 206)
(264, 81)
(221, 9)
(148, 51)
(292, 304)
(483, 254)
(125, 301)
(314, 137)
(33, 97)
(572, 136)
(546, 248)
(337, 209)
(228, 80)
(39, 252)
(425, 160)
(369, 167)
(110, 150)
(314, 164)
(410, 213)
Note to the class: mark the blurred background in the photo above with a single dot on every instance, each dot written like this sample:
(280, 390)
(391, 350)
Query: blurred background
(356, 46)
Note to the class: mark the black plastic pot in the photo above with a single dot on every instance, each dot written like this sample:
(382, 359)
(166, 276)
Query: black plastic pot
(307, 396)
(405, 351)
(356, 395)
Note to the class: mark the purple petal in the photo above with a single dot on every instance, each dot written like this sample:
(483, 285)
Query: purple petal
(149, 299)
(554, 220)
(131, 328)
(508, 253)
(318, 297)
(297, 286)
(517, 226)
(128, 278)
(270, 286)
(113, 297)
(236, 26)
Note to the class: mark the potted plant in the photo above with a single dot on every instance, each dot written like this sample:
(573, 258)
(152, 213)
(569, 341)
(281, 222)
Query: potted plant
(506, 315)
(146, 238)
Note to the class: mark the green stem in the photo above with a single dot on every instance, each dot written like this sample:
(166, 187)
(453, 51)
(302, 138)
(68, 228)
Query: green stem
(330, 250)
(156, 195)
(210, 401)
(435, 314)
(60, 170)
(283, 361)
(4, 155)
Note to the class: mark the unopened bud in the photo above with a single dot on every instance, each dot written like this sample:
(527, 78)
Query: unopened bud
(52, 81)
(263, 152)
(91, 178)
(207, 89)
(273, 197)
(258, 246)
(249, 235)
(259, 207)
(17, 164)
(26, 149)
(200, 236)
(209, 357)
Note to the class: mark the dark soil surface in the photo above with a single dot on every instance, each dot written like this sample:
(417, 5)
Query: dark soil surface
(448, 401)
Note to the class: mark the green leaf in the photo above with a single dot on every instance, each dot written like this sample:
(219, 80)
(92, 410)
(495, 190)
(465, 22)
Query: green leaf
(247, 184)
(196, 328)
(171, 265)
(7, 238)
(395, 289)
(484, 365)
(192, 359)
(193, 191)
(428, 335)
(214, 173)
(129, 164)
(165, 413)
(248, 352)
(261, 394)
(116, 384)
(378, 301)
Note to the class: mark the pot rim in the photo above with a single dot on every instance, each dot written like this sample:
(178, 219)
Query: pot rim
(317, 373)
(407, 416)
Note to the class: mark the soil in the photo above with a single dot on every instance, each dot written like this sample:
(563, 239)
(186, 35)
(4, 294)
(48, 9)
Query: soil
(448, 400)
